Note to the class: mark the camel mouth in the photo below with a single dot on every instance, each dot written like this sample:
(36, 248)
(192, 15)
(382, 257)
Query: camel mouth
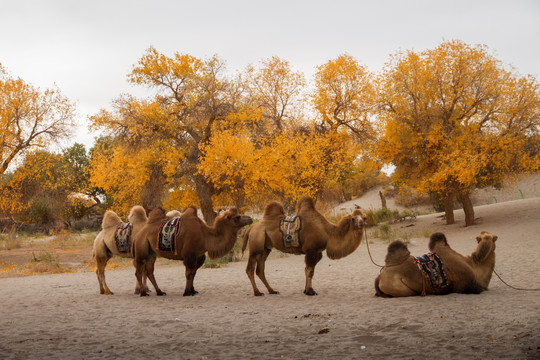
(359, 222)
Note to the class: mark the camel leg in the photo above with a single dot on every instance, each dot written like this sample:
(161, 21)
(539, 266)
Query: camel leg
(192, 263)
(147, 267)
(261, 261)
(312, 258)
(396, 285)
(149, 272)
(101, 263)
(250, 271)
(144, 282)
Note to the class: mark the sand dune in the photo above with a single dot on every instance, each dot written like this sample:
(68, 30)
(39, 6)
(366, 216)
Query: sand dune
(64, 317)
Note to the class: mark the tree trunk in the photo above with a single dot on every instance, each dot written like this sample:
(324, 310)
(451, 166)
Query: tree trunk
(449, 209)
(383, 200)
(204, 193)
(468, 208)
(153, 190)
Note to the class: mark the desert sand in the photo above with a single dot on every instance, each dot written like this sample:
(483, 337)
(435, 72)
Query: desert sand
(63, 316)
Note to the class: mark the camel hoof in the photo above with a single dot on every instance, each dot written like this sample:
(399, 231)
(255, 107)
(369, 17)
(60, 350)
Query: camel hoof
(161, 293)
(143, 293)
(273, 292)
(310, 292)
(259, 294)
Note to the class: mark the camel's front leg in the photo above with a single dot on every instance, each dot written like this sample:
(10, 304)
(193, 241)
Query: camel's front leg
(312, 258)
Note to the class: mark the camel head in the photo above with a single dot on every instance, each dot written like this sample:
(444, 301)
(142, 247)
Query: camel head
(234, 219)
(358, 219)
(355, 222)
(486, 246)
(487, 236)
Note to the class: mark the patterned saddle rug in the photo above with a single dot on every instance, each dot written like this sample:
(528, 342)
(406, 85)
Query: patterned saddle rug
(122, 237)
(432, 267)
(290, 227)
(167, 235)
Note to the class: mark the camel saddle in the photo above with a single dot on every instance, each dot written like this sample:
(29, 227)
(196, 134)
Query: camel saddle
(122, 237)
(167, 234)
(290, 227)
(432, 267)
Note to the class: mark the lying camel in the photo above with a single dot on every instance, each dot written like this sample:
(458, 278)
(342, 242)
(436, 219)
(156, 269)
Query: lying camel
(193, 239)
(313, 235)
(115, 238)
(404, 275)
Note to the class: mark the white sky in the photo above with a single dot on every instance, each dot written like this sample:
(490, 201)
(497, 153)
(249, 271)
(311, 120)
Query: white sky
(87, 48)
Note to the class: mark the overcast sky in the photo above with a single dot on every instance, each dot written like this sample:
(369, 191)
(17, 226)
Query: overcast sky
(87, 48)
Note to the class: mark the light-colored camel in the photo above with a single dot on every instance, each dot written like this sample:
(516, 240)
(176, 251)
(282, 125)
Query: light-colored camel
(401, 275)
(316, 235)
(193, 240)
(105, 246)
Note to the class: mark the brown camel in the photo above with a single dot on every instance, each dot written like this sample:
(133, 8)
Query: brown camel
(405, 275)
(314, 235)
(110, 242)
(193, 239)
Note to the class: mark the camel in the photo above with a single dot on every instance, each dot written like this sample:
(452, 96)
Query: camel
(314, 235)
(193, 239)
(105, 245)
(471, 274)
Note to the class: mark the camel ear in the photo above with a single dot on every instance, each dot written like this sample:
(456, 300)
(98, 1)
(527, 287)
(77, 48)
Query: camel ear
(495, 238)
(478, 239)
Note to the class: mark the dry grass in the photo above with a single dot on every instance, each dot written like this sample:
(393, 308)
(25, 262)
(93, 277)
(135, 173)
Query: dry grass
(23, 254)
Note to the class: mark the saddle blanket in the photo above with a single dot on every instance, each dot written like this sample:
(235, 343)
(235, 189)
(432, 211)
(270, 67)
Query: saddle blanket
(290, 227)
(167, 235)
(431, 265)
(122, 237)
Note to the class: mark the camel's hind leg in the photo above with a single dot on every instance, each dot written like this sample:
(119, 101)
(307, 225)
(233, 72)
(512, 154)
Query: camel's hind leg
(250, 271)
(395, 285)
(147, 267)
(144, 282)
(261, 261)
(312, 258)
(256, 263)
(101, 263)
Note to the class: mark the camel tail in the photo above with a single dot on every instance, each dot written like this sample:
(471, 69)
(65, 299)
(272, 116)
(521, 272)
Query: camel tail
(244, 244)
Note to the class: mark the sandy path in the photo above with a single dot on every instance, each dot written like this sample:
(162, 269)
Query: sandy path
(63, 316)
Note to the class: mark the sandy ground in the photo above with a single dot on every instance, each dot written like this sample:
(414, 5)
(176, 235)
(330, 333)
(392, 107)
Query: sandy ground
(64, 317)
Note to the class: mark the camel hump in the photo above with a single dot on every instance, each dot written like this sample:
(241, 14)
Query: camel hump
(306, 203)
(273, 208)
(173, 213)
(190, 210)
(137, 214)
(156, 215)
(110, 219)
(397, 250)
(435, 239)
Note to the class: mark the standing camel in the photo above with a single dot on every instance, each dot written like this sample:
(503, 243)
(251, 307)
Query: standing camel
(115, 238)
(447, 272)
(193, 239)
(313, 235)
